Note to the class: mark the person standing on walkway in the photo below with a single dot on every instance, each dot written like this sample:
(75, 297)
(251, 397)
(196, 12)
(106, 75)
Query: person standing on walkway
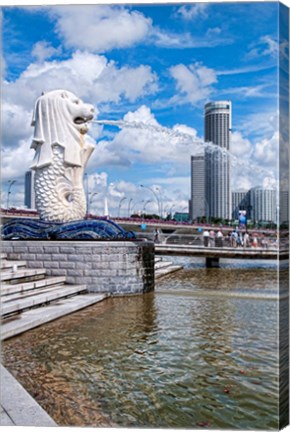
(212, 238)
(205, 238)
(219, 239)
(246, 240)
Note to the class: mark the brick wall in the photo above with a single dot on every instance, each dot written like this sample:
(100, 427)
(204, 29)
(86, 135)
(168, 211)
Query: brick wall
(117, 267)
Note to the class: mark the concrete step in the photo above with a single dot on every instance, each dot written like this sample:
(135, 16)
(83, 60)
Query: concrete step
(162, 264)
(35, 317)
(35, 292)
(167, 270)
(3, 255)
(9, 264)
(10, 289)
(30, 274)
(19, 304)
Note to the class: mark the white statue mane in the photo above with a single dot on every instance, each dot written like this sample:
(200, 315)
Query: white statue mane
(61, 154)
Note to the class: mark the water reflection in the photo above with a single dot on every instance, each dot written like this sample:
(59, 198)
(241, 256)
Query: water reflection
(164, 359)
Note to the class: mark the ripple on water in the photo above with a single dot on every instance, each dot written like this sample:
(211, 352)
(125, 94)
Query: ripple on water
(158, 360)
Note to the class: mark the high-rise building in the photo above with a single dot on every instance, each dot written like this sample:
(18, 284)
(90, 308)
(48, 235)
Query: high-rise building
(217, 129)
(197, 201)
(264, 205)
(29, 195)
(241, 201)
(284, 206)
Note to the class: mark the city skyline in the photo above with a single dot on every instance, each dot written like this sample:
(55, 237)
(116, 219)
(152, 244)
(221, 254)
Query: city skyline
(171, 61)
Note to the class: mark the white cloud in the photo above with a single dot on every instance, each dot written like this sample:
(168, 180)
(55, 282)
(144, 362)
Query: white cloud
(100, 28)
(193, 82)
(266, 46)
(143, 139)
(16, 162)
(43, 50)
(267, 150)
(193, 11)
(240, 146)
(90, 76)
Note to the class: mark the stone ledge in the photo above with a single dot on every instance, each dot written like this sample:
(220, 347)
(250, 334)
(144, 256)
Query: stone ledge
(18, 408)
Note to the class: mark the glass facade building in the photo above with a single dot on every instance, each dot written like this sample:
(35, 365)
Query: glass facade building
(217, 130)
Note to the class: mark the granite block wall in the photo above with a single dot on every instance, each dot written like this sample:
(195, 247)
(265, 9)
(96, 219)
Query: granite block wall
(116, 267)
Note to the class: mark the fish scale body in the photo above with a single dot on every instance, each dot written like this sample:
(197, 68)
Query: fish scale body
(58, 196)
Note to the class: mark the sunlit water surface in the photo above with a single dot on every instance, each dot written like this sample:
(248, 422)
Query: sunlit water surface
(173, 358)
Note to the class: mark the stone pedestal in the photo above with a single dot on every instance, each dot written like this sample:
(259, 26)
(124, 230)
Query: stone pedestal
(116, 267)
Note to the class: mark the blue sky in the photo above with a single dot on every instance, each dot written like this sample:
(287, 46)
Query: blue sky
(155, 64)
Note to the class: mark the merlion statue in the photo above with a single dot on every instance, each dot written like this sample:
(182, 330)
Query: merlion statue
(61, 154)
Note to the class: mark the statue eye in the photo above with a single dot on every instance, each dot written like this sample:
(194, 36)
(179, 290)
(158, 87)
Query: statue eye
(76, 101)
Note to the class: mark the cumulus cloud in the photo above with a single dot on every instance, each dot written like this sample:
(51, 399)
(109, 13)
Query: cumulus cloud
(267, 150)
(43, 50)
(194, 83)
(100, 28)
(240, 146)
(193, 11)
(143, 139)
(91, 77)
(88, 75)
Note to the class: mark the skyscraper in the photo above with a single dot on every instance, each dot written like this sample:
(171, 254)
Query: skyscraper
(29, 196)
(264, 204)
(197, 201)
(217, 129)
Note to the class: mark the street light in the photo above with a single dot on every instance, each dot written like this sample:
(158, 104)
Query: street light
(147, 202)
(155, 195)
(91, 200)
(119, 208)
(11, 183)
(138, 202)
(131, 199)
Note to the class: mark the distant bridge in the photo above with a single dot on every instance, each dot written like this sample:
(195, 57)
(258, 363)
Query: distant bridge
(213, 254)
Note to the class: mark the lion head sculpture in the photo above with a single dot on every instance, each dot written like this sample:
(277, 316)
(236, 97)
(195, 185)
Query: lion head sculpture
(60, 118)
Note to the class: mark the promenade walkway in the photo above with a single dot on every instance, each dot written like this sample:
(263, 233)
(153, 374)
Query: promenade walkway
(214, 254)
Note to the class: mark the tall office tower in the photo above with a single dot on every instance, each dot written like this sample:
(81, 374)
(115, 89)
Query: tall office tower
(29, 195)
(197, 201)
(263, 202)
(241, 201)
(284, 206)
(217, 129)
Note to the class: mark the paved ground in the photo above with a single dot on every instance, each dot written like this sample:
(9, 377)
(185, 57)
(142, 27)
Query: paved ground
(18, 408)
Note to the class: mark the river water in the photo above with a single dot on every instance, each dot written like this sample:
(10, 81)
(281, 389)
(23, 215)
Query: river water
(200, 351)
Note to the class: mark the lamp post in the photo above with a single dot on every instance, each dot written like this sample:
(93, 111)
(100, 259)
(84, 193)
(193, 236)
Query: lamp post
(91, 200)
(87, 192)
(11, 183)
(138, 202)
(171, 208)
(147, 202)
(129, 205)
(120, 203)
(155, 195)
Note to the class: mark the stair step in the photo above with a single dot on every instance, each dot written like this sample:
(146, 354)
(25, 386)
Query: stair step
(12, 264)
(35, 317)
(22, 274)
(3, 255)
(167, 270)
(7, 289)
(18, 305)
(162, 264)
(35, 292)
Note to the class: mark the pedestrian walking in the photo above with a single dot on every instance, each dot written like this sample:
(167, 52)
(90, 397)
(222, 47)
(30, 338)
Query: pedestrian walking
(156, 235)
